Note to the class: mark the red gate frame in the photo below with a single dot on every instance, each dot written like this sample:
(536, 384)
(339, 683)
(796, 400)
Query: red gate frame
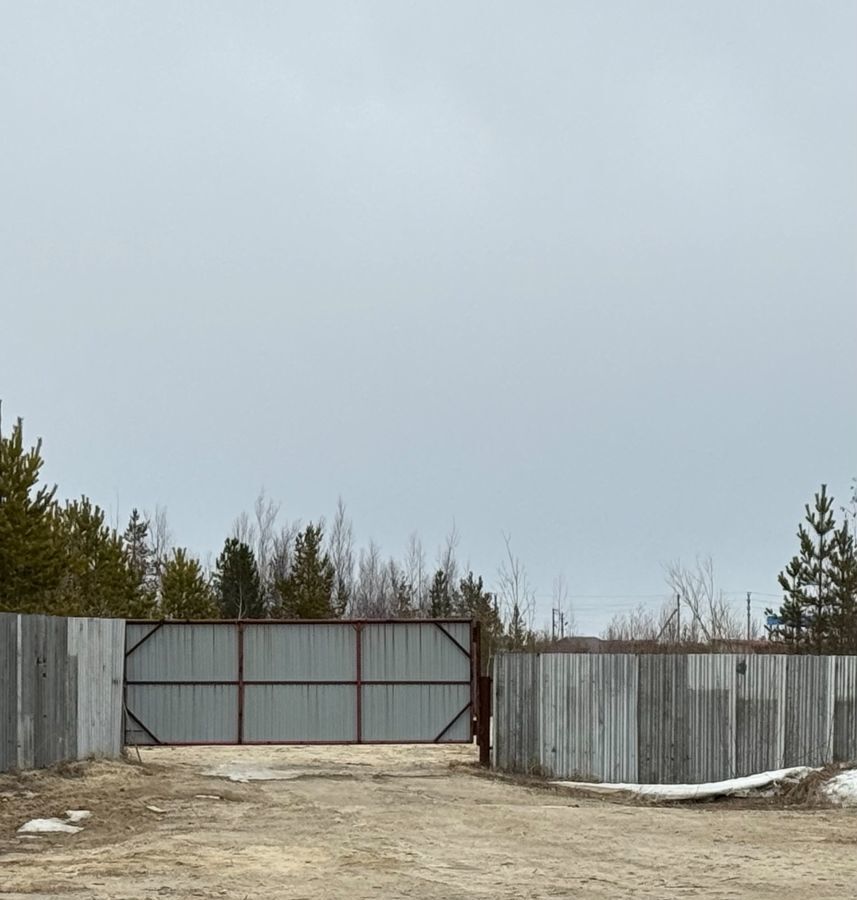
(473, 654)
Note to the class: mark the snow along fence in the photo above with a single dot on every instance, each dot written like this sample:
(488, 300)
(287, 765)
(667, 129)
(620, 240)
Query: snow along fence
(60, 689)
(671, 719)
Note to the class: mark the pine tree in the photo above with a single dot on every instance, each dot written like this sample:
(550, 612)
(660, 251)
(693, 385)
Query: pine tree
(441, 596)
(137, 542)
(30, 557)
(308, 591)
(474, 602)
(843, 576)
(517, 635)
(237, 583)
(403, 599)
(792, 621)
(807, 617)
(98, 578)
(185, 591)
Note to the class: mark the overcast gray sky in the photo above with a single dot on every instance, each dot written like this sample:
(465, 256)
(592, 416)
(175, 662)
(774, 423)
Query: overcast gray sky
(583, 271)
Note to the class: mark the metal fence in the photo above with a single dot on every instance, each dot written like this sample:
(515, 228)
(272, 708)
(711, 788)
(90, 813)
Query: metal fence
(60, 689)
(669, 719)
(300, 682)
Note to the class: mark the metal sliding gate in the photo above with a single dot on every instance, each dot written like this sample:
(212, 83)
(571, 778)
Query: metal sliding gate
(301, 682)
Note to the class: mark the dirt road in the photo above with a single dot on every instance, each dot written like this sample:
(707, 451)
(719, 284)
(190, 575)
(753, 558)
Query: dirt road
(393, 822)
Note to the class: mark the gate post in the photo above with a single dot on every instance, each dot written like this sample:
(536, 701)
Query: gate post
(483, 736)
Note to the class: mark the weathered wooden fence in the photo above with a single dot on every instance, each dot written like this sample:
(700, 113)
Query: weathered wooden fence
(60, 689)
(671, 719)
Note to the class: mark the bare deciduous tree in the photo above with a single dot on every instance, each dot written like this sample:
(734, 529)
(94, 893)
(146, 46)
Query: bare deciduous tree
(415, 572)
(160, 539)
(447, 556)
(282, 552)
(258, 533)
(711, 617)
(643, 623)
(696, 613)
(516, 597)
(567, 626)
(340, 547)
(266, 512)
(369, 600)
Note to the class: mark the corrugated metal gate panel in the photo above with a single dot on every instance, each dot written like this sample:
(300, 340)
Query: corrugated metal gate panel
(308, 653)
(300, 682)
(418, 651)
(416, 713)
(176, 652)
(182, 713)
(299, 713)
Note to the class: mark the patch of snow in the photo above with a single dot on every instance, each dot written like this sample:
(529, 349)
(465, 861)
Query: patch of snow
(155, 809)
(244, 773)
(48, 826)
(842, 788)
(207, 797)
(77, 815)
(695, 791)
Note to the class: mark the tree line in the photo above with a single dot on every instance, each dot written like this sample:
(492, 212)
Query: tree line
(65, 558)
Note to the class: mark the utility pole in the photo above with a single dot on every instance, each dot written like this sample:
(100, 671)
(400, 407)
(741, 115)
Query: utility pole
(748, 615)
(678, 618)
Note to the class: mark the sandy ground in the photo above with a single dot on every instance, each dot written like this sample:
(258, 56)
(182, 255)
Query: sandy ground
(411, 822)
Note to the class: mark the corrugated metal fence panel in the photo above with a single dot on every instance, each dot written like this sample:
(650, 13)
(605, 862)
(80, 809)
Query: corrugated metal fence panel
(300, 713)
(516, 712)
(48, 706)
(698, 717)
(617, 736)
(54, 672)
(711, 717)
(809, 710)
(588, 715)
(760, 714)
(177, 652)
(418, 651)
(845, 710)
(8, 691)
(663, 754)
(98, 645)
(323, 652)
